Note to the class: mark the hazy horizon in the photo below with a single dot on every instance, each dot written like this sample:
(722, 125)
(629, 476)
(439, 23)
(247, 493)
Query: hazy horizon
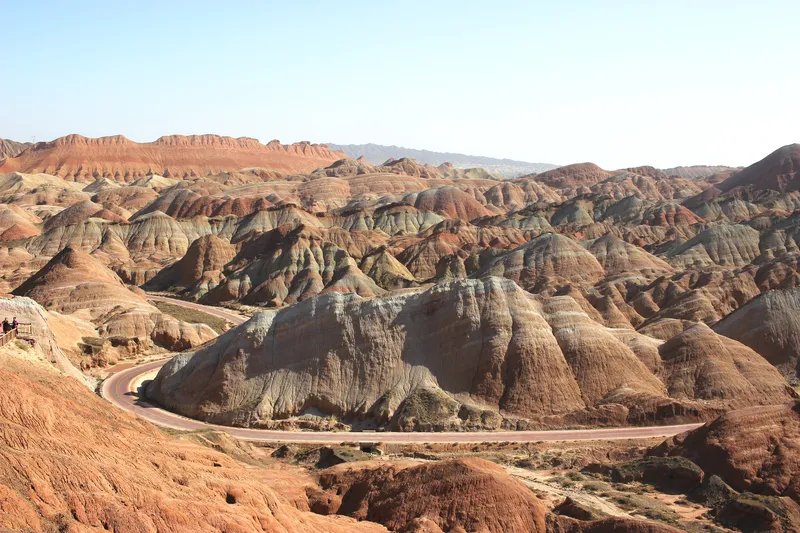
(619, 84)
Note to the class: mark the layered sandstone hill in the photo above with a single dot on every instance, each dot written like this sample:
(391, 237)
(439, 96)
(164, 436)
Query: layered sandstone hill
(468, 353)
(729, 245)
(617, 256)
(287, 265)
(755, 449)
(770, 325)
(700, 364)
(199, 270)
(572, 176)
(17, 223)
(78, 158)
(414, 359)
(38, 189)
(548, 258)
(74, 283)
(396, 494)
(697, 171)
(467, 495)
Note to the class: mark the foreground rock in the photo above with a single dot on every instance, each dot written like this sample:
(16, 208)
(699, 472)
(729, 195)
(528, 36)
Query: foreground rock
(40, 323)
(756, 449)
(465, 495)
(70, 462)
(460, 495)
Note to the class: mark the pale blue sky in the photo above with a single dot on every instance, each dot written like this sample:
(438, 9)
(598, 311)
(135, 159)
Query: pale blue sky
(617, 83)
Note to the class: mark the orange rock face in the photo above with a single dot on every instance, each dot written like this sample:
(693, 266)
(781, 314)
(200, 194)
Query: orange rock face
(457, 495)
(755, 449)
(71, 462)
(78, 158)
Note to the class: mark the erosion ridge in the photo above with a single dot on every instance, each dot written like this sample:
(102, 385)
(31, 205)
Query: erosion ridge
(636, 258)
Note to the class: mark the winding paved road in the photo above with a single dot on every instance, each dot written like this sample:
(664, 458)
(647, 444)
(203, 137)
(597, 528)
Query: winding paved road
(121, 390)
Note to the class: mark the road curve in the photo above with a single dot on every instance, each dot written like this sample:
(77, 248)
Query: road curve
(121, 390)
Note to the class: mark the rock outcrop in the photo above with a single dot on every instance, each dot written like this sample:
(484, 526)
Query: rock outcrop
(572, 176)
(9, 148)
(699, 364)
(463, 354)
(77, 158)
(778, 171)
(40, 324)
(287, 265)
(544, 259)
(455, 495)
(755, 449)
(375, 358)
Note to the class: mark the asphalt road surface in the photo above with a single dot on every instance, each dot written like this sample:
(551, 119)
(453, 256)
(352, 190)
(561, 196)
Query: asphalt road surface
(121, 390)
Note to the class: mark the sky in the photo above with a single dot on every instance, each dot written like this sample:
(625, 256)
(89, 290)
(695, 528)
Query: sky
(618, 83)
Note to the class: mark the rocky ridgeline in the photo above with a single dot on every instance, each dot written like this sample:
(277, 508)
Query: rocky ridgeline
(638, 249)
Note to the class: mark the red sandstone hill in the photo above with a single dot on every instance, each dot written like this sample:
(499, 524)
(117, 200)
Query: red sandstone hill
(572, 176)
(78, 158)
(779, 171)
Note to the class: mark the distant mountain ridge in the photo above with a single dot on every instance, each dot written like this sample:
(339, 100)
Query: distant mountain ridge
(78, 158)
(9, 148)
(378, 154)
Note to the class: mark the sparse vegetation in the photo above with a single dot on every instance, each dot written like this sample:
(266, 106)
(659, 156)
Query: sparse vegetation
(575, 476)
(21, 344)
(593, 486)
(193, 316)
